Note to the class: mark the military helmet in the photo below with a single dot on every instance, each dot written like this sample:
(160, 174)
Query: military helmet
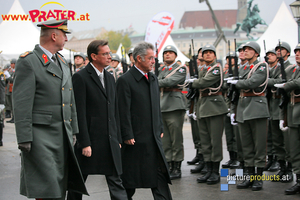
(80, 54)
(209, 47)
(130, 51)
(115, 57)
(170, 48)
(297, 48)
(253, 45)
(13, 61)
(271, 51)
(199, 49)
(284, 45)
(7, 66)
(231, 53)
(241, 47)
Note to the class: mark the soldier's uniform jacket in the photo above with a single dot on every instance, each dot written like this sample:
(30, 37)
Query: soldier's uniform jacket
(45, 115)
(2, 88)
(293, 87)
(210, 105)
(116, 72)
(171, 95)
(252, 107)
(9, 83)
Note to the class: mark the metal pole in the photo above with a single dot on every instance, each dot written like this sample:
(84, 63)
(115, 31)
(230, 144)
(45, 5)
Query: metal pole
(298, 22)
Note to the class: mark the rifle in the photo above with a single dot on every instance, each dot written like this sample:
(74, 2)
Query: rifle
(266, 57)
(156, 60)
(284, 97)
(233, 93)
(123, 61)
(269, 91)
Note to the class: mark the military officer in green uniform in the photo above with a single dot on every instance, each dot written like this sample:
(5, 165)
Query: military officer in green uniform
(211, 110)
(293, 123)
(113, 68)
(252, 114)
(171, 78)
(46, 118)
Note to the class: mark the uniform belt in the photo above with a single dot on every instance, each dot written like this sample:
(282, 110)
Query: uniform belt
(297, 99)
(172, 90)
(251, 94)
(206, 94)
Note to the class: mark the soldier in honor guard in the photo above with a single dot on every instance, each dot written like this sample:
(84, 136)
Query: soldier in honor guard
(230, 130)
(293, 123)
(173, 105)
(113, 68)
(79, 62)
(9, 88)
(211, 109)
(131, 57)
(252, 114)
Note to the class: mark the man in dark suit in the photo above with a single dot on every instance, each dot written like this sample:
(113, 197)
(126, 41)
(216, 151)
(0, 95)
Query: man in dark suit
(98, 142)
(143, 159)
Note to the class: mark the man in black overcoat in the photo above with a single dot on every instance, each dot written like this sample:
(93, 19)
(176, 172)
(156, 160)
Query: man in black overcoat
(98, 146)
(143, 159)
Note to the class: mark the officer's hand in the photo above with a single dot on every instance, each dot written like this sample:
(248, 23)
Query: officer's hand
(279, 85)
(74, 140)
(281, 122)
(87, 151)
(2, 106)
(227, 79)
(190, 80)
(232, 81)
(25, 147)
(120, 146)
(129, 142)
(232, 119)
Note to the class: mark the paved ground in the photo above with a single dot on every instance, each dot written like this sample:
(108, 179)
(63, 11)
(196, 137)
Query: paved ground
(184, 189)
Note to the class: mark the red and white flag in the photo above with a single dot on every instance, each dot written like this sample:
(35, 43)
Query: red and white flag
(159, 28)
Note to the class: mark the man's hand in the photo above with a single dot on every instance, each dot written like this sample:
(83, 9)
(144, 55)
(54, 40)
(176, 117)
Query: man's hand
(232, 81)
(161, 135)
(190, 80)
(129, 142)
(279, 85)
(87, 151)
(120, 146)
(227, 79)
(25, 147)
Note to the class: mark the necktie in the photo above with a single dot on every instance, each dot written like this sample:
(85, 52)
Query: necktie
(54, 60)
(102, 80)
(146, 75)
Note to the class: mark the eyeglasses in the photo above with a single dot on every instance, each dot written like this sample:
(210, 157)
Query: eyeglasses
(105, 54)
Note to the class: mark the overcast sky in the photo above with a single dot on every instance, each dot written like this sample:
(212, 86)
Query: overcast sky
(120, 14)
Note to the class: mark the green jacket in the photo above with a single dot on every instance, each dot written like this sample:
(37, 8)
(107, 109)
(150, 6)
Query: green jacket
(252, 107)
(45, 115)
(210, 105)
(172, 100)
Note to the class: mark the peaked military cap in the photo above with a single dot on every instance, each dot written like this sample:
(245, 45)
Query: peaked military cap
(55, 24)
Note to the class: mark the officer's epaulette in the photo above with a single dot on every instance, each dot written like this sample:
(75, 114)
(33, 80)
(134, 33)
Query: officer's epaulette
(25, 54)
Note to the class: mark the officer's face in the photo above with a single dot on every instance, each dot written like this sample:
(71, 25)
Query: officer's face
(60, 39)
(102, 58)
(284, 52)
(169, 57)
(297, 56)
(249, 53)
(146, 63)
(209, 56)
(272, 57)
(114, 63)
(78, 60)
(241, 54)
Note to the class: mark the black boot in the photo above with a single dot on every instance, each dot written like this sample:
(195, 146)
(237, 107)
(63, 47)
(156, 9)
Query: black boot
(269, 163)
(1, 132)
(198, 168)
(176, 173)
(215, 175)
(206, 176)
(171, 166)
(246, 183)
(242, 165)
(288, 174)
(204, 170)
(12, 120)
(296, 188)
(7, 114)
(196, 159)
(235, 163)
(228, 163)
(282, 170)
(275, 165)
(258, 183)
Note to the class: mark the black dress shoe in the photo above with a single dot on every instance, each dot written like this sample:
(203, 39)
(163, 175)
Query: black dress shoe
(213, 179)
(11, 121)
(198, 168)
(293, 190)
(257, 185)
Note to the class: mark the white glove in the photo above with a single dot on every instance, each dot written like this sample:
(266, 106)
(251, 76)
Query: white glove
(279, 85)
(227, 79)
(194, 116)
(2, 106)
(232, 119)
(281, 122)
(190, 80)
(188, 113)
(232, 81)
(228, 114)
(6, 73)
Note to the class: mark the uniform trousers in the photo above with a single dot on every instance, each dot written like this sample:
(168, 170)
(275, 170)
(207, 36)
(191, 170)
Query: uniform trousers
(254, 141)
(196, 134)
(280, 141)
(211, 131)
(230, 136)
(294, 137)
(172, 141)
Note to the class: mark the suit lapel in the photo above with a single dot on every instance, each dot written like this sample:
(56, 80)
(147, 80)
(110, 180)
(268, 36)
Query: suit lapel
(95, 78)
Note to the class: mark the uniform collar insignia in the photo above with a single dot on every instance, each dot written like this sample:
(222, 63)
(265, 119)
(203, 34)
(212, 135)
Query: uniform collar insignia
(45, 58)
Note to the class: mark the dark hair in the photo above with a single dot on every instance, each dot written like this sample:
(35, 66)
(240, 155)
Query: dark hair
(93, 47)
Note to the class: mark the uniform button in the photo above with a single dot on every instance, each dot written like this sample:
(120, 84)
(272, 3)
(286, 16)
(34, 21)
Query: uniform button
(70, 88)
(53, 74)
(260, 101)
(64, 120)
(63, 104)
(71, 105)
(70, 120)
(215, 100)
(63, 88)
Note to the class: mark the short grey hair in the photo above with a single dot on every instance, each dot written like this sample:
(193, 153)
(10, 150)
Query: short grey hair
(141, 49)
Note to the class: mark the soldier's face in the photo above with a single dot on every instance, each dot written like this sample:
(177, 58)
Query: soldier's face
(209, 56)
(249, 53)
(146, 63)
(283, 51)
(78, 60)
(241, 54)
(169, 57)
(272, 58)
(297, 56)
(114, 63)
